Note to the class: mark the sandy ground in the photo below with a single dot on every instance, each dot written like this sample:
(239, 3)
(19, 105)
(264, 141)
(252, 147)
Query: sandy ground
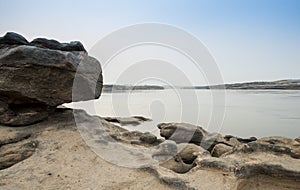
(64, 161)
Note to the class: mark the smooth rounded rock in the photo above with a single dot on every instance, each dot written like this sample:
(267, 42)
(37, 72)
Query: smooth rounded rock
(11, 38)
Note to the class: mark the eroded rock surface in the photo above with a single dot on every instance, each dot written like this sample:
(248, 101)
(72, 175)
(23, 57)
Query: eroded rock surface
(36, 77)
(220, 149)
(53, 155)
(272, 158)
(63, 157)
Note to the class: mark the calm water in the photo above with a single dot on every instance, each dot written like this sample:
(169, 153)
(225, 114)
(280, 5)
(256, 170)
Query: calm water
(241, 112)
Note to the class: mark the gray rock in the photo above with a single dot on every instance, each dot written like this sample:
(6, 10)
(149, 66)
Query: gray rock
(23, 114)
(182, 132)
(276, 140)
(187, 133)
(214, 163)
(210, 140)
(11, 38)
(189, 152)
(241, 140)
(220, 149)
(53, 44)
(233, 142)
(167, 148)
(134, 120)
(148, 138)
(35, 75)
(34, 80)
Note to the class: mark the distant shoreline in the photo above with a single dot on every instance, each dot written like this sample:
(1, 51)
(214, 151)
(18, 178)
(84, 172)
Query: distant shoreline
(273, 85)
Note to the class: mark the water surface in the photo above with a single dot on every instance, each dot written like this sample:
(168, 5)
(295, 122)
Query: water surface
(246, 112)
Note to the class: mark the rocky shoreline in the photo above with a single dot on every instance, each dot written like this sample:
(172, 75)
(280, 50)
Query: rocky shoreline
(46, 146)
(42, 155)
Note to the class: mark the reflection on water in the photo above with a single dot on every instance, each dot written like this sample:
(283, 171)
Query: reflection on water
(247, 112)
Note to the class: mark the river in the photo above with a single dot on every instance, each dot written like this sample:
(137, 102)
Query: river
(242, 113)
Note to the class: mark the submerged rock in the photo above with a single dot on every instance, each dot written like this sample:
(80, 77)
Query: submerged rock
(134, 120)
(38, 76)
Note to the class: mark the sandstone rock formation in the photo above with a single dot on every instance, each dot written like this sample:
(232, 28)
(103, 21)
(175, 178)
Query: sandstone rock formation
(36, 77)
(56, 145)
(52, 154)
(220, 149)
(269, 158)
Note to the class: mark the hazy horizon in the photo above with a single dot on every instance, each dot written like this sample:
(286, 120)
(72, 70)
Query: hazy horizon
(250, 40)
(293, 79)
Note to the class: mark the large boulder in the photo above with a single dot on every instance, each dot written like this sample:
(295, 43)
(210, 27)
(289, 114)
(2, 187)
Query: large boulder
(36, 77)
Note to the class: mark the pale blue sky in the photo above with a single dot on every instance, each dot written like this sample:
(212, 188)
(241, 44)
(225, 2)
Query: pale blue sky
(250, 39)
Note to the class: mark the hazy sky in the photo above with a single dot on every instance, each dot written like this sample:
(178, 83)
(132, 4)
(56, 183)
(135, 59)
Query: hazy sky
(250, 39)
